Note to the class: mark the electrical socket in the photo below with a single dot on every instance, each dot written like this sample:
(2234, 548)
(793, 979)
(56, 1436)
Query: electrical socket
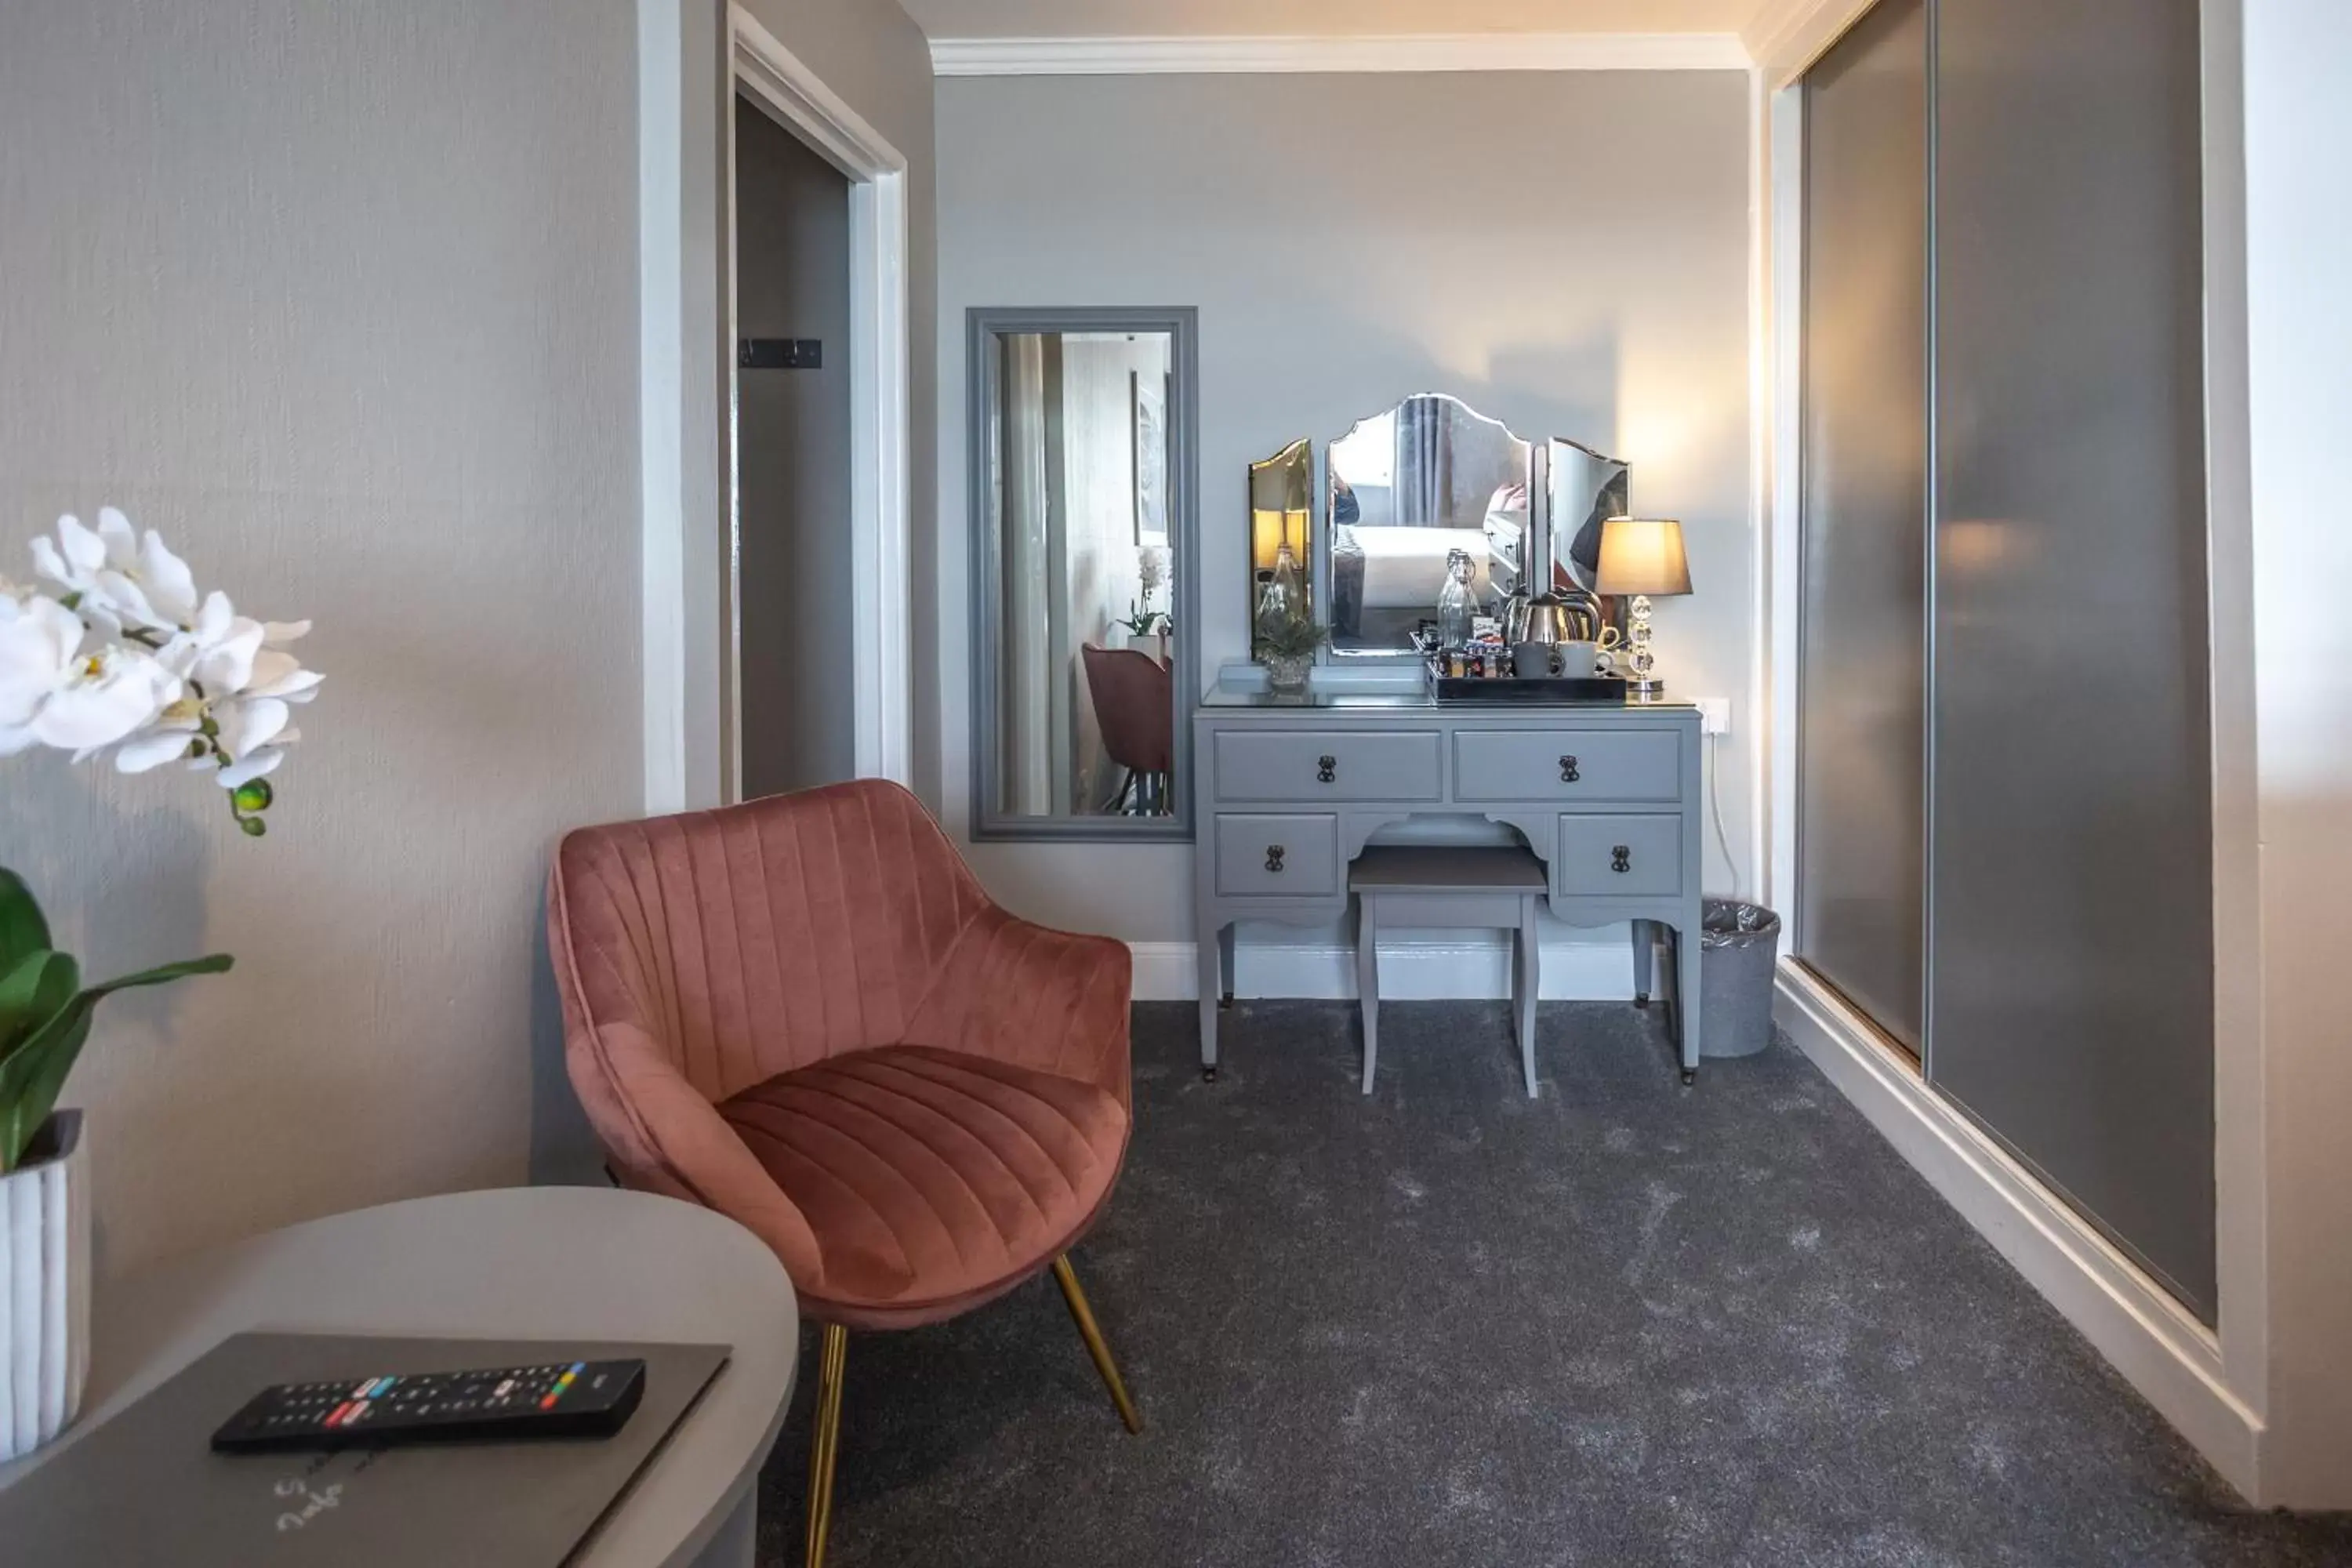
(1715, 715)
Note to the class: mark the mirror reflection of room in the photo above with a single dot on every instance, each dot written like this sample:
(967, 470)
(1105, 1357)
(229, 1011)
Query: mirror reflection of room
(1086, 698)
(1281, 561)
(1409, 487)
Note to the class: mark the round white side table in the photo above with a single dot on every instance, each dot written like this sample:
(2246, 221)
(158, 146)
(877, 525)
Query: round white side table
(549, 1263)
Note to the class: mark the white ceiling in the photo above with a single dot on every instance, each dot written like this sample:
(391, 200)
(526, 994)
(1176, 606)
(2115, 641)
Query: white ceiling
(1319, 18)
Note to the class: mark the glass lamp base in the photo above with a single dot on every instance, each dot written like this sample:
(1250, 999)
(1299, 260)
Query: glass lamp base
(1643, 683)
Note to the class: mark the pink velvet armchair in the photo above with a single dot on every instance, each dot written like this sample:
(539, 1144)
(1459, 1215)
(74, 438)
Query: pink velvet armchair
(806, 1013)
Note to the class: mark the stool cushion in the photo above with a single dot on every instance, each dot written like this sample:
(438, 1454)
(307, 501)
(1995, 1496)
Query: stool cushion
(932, 1179)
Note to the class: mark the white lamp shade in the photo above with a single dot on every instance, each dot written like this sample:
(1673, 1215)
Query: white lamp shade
(1642, 555)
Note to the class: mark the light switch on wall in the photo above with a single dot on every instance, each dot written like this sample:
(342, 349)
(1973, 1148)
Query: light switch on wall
(1715, 715)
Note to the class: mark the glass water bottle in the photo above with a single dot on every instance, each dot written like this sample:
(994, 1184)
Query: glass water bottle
(1280, 601)
(1456, 607)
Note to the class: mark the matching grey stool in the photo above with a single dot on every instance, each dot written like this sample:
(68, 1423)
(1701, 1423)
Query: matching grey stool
(1445, 889)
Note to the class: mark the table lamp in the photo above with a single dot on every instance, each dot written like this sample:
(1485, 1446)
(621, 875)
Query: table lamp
(1641, 557)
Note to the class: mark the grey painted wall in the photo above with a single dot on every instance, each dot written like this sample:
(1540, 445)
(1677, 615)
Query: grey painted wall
(792, 280)
(1568, 252)
(878, 61)
(344, 300)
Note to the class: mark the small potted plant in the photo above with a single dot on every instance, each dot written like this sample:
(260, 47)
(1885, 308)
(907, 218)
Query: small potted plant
(1288, 650)
(114, 655)
(1143, 623)
(1146, 625)
(45, 1013)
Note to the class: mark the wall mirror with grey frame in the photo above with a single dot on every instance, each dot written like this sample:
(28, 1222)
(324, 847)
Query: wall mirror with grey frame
(1081, 455)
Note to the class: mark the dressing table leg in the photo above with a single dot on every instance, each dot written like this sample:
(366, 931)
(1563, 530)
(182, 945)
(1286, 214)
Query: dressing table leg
(1686, 1008)
(1645, 939)
(1530, 982)
(1226, 964)
(1367, 980)
(1207, 981)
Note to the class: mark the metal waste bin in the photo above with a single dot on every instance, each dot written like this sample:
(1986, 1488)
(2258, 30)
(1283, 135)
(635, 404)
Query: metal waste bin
(1738, 944)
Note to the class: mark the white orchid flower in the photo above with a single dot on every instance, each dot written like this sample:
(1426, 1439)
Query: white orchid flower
(236, 776)
(38, 639)
(228, 657)
(123, 580)
(234, 717)
(126, 657)
(57, 692)
(109, 694)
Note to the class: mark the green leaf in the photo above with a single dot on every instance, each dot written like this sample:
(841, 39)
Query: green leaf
(32, 994)
(22, 929)
(34, 1074)
(164, 974)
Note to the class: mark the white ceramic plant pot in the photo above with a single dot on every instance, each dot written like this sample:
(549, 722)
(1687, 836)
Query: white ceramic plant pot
(44, 1287)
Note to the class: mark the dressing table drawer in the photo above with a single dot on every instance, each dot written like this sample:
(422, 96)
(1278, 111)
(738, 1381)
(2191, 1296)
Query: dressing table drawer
(1293, 857)
(1293, 765)
(1619, 856)
(1567, 764)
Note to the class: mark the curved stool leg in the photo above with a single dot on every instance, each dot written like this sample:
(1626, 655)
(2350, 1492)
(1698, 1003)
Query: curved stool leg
(1067, 1279)
(1367, 980)
(824, 1445)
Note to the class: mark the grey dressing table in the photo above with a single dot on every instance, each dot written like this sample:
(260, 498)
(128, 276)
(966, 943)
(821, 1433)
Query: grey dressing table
(1293, 787)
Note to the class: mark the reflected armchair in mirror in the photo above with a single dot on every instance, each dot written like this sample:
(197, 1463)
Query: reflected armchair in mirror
(1080, 464)
(1135, 712)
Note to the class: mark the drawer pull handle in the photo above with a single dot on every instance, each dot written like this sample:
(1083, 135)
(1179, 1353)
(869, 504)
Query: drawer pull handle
(1568, 771)
(1327, 769)
(1620, 859)
(1273, 859)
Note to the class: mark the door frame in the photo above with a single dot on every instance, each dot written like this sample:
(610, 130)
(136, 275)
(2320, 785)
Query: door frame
(880, 657)
(694, 58)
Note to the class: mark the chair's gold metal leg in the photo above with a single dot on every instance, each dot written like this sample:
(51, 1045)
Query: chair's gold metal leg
(825, 1443)
(1087, 1331)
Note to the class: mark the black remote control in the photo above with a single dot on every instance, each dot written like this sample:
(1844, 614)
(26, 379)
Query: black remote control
(506, 1403)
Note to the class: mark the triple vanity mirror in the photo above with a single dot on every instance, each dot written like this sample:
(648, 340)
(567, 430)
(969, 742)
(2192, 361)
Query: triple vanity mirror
(1081, 438)
(1408, 486)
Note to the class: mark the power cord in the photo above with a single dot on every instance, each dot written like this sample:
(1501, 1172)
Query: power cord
(1715, 809)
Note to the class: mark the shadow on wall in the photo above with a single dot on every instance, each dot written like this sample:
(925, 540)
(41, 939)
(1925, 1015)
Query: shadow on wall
(1567, 389)
(1540, 389)
(563, 1147)
(146, 906)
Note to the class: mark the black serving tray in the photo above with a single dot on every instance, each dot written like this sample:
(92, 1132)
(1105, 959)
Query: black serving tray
(1589, 690)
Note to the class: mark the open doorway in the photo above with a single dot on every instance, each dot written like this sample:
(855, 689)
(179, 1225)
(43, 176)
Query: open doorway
(795, 622)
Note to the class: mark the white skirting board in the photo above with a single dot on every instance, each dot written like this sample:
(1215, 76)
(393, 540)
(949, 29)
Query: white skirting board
(2159, 1348)
(1456, 965)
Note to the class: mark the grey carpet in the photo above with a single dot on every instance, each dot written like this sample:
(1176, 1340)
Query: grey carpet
(1625, 1324)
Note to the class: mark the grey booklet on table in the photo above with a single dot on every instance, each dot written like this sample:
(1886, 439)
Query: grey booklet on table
(145, 1487)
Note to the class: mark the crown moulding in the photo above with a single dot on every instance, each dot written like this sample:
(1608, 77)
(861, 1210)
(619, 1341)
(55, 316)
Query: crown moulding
(1416, 52)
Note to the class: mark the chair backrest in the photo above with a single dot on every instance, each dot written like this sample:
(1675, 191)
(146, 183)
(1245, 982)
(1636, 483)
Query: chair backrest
(758, 938)
(1134, 706)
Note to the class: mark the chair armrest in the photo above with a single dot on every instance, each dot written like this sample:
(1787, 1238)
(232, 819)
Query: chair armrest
(666, 1138)
(1014, 992)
